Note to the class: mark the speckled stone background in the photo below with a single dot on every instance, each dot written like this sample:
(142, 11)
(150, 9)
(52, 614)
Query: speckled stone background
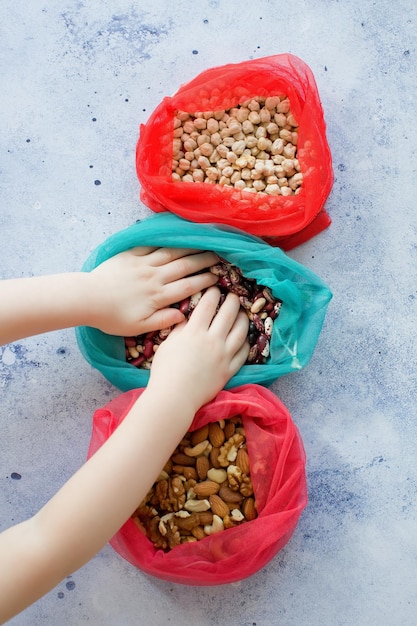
(77, 79)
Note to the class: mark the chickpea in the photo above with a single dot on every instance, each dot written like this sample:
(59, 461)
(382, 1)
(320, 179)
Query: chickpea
(260, 132)
(215, 139)
(206, 149)
(222, 150)
(242, 114)
(254, 117)
(200, 123)
(198, 176)
(247, 127)
(212, 173)
(212, 125)
(189, 144)
(184, 164)
(265, 115)
(235, 177)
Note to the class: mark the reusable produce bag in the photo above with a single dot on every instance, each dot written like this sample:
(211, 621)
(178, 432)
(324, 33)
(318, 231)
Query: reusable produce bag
(277, 461)
(296, 330)
(286, 221)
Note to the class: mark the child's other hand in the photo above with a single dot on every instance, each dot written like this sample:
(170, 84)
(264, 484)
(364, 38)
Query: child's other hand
(199, 356)
(130, 293)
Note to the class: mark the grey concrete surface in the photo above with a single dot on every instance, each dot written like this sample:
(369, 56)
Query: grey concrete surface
(77, 79)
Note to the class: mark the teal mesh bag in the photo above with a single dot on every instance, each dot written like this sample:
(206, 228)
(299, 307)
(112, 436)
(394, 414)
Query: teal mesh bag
(304, 295)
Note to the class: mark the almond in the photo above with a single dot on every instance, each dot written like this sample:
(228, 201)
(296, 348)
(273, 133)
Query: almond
(185, 470)
(249, 509)
(189, 472)
(213, 456)
(199, 435)
(229, 430)
(206, 488)
(216, 434)
(242, 461)
(183, 459)
(218, 506)
(230, 496)
(189, 484)
(198, 532)
(202, 466)
(206, 517)
(187, 523)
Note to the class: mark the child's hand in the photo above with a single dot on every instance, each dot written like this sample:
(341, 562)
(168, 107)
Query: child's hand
(199, 356)
(130, 293)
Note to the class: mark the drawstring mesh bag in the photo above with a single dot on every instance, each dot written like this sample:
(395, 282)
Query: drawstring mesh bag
(277, 460)
(285, 221)
(304, 297)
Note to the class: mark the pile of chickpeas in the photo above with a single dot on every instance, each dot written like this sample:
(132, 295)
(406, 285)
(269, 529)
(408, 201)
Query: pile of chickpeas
(251, 147)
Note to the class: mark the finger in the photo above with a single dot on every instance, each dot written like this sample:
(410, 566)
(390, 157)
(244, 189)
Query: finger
(227, 315)
(142, 250)
(181, 289)
(239, 358)
(205, 310)
(163, 318)
(188, 264)
(238, 333)
(165, 256)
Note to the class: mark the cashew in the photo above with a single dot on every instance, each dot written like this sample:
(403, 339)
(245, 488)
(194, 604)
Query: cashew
(197, 506)
(216, 527)
(237, 515)
(197, 449)
(217, 475)
(161, 526)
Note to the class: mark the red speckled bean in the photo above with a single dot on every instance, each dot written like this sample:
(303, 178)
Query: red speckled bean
(148, 348)
(138, 361)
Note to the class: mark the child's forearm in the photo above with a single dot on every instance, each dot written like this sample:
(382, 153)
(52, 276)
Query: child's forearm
(89, 509)
(30, 306)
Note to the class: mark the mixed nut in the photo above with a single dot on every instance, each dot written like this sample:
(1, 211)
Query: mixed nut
(258, 301)
(251, 147)
(205, 487)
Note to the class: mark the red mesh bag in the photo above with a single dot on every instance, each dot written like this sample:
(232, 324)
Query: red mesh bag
(277, 461)
(286, 221)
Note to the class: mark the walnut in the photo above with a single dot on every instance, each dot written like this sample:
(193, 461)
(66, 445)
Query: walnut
(228, 522)
(155, 535)
(239, 481)
(160, 493)
(228, 451)
(169, 494)
(234, 476)
(144, 511)
(169, 530)
(142, 516)
(246, 488)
